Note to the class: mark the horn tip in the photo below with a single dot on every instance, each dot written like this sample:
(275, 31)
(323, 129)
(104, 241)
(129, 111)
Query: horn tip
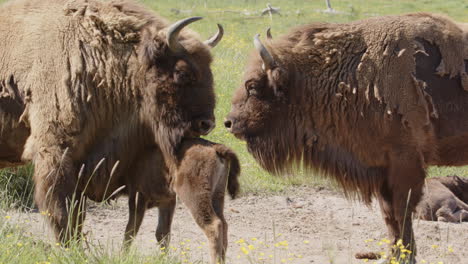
(220, 27)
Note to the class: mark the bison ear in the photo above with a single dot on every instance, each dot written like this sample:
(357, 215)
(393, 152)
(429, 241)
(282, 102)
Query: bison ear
(278, 79)
(152, 48)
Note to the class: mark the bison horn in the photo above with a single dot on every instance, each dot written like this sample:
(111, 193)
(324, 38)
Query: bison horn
(214, 40)
(268, 61)
(173, 33)
(268, 33)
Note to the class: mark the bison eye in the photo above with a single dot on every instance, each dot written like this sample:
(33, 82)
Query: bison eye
(251, 88)
(183, 77)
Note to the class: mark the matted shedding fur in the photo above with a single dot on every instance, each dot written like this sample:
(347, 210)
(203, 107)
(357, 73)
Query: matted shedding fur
(95, 76)
(354, 85)
(95, 80)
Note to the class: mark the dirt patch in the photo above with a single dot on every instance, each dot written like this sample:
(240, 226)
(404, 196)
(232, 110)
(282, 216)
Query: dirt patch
(309, 225)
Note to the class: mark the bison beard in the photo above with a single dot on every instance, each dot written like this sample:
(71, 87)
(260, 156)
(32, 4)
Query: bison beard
(370, 103)
(86, 81)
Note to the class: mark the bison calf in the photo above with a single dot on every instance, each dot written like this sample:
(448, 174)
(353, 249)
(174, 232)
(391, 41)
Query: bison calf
(199, 179)
(444, 200)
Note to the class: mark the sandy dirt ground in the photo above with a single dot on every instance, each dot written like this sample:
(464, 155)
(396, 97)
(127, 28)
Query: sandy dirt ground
(308, 225)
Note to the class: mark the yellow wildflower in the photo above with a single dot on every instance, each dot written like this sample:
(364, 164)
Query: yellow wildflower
(240, 241)
(244, 250)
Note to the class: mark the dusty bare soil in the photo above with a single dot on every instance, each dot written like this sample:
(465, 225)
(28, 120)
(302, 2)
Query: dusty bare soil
(309, 225)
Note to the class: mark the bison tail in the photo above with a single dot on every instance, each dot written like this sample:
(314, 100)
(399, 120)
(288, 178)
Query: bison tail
(234, 169)
(234, 172)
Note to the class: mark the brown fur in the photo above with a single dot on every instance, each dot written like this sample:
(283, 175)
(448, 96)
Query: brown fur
(366, 103)
(200, 178)
(444, 199)
(13, 133)
(92, 80)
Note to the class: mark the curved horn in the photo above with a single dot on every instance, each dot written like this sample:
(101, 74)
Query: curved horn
(268, 33)
(174, 30)
(268, 61)
(214, 40)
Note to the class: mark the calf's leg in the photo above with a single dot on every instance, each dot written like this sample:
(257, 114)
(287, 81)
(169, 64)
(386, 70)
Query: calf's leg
(218, 206)
(218, 202)
(201, 208)
(163, 230)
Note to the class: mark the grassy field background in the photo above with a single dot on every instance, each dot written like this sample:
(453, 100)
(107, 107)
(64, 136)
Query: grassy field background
(241, 20)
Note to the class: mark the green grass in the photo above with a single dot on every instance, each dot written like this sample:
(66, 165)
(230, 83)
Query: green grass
(17, 247)
(16, 188)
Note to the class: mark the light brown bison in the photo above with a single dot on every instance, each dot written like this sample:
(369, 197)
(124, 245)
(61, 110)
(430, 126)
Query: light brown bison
(199, 179)
(444, 199)
(91, 80)
(370, 103)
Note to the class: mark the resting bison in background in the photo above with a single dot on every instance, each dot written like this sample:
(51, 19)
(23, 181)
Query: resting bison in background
(444, 199)
(199, 178)
(97, 79)
(370, 103)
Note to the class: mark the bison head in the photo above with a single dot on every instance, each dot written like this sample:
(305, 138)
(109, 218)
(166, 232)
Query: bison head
(260, 107)
(179, 94)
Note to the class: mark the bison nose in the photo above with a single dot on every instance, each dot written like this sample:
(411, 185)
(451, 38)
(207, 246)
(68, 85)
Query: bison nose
(206, 126)
(228, 123)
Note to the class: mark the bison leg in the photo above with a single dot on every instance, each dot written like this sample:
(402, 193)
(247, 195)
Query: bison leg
(163, 231)
(405, 183)
(201, 208)
(454, 216)
(463, 215)
(385, 202)
(56, 178)
(137, 207)
(218, 205)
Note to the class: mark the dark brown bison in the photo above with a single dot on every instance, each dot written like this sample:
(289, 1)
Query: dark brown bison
(91, 80)
(444, 199)
(371, 103)
(13, 132)
(199, 179)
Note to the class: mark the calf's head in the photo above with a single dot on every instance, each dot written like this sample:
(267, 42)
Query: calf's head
(179, 92)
